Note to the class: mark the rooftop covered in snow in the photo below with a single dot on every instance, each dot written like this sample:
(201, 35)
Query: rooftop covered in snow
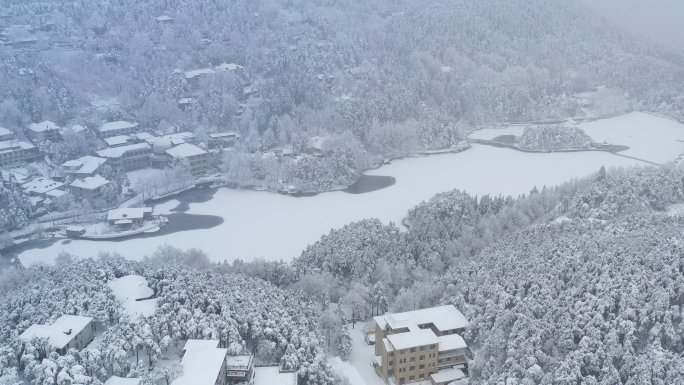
(195, 73)
(442, 317)
(119, 125)
(90, 183)
(271, 375)
(116, 152)
(201, 366)
(41, 185)
(118, 140)
(115, 380)
(185, 150)
(412, 339)
(128, 213)
(43, 126)
(56, 333)
(83, 165)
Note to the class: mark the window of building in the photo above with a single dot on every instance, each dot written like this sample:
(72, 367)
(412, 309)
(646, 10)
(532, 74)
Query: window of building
(390, 372)
(432, 346)
(413, 350)
(413, 359)
(422, 358)
(449, 359)
(412, 378)
(422, 348)
(402, 380)
(421, 367)
(391, 363)
(421, 376)
(403, 351)
(412, 368)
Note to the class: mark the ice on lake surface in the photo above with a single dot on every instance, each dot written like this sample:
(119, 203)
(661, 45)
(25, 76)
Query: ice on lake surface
(274, 227)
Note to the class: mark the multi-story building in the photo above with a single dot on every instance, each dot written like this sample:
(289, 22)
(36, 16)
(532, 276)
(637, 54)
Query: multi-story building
(17, 152)
(67, 332)
(128, 158)
(40, 132)
(196, 157)
(413, 346)
(117, 128)
(6, 134)
(203, 364)
(90, 188)
(82, 167)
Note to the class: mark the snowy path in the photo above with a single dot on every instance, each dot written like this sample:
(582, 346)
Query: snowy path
(359, 369)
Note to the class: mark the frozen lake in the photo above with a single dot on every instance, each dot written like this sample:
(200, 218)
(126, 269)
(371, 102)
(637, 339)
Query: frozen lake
(274, 227)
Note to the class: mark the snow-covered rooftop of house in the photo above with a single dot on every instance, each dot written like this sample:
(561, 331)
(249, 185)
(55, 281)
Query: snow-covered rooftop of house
(185, 101)
(229, 134)
(4, 131)
(119, 125)
(241, 361)
(179, 138)
(128, 213)
(271, 375)
(316, 142)
(41, 185)
(43, 126)
(73, 129)
(200, 344)
(195, 73)
(443, 317)
(229, 67)
(164, 18)
(56, 333)
(451, 342)
(201, 366)
(143, 136)
(115, 152)
(185, 150)
(446, 376)
(84, 165)
(118, 140)
(128, 290)
(90, 183)
(412, 339)
(55, 193)
(114, 380)
(36, 200)
(13, 144)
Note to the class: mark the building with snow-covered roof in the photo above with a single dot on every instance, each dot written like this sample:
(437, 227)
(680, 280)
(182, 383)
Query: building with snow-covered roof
(193, 77)
(42, 187)
(74, 130)
(230, 67)
(196, 157)
(6, 134)
(46, 130)
(17, 152)
(89, 188)
(272, 375)
(223, 139)
(203, 364)
(412, 346)
(118, 141)
(164, 19)
(185, 102)
(117, 128)
(239, 368)
(128, 158)
(82, 167)
(130, 215)
(67, 332)
(180, 138)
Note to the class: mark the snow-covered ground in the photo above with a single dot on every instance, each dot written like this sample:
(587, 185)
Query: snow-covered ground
(649, 137)
(128, 289)
(274, 227)
(359, 368)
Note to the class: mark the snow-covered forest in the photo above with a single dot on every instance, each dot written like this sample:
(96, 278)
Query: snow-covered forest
(576, 283)
(376, 80)
(555, 137)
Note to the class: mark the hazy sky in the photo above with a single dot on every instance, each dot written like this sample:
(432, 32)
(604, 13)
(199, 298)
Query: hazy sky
(660, 20)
